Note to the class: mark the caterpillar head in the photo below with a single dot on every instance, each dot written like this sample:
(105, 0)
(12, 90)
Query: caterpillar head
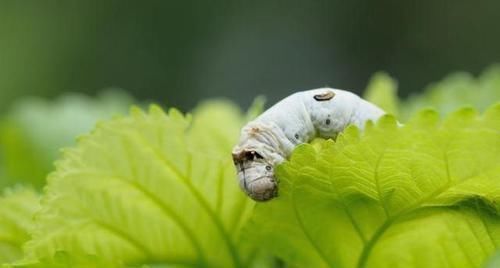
(256, 175)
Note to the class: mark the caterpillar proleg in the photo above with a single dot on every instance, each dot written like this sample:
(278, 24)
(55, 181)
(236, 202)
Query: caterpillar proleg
(270, 138)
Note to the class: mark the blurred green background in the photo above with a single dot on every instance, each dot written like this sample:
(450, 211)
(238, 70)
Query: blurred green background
(180, 52)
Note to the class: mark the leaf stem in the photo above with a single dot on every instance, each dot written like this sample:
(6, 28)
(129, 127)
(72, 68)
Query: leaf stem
(367, 249)
(322, 254)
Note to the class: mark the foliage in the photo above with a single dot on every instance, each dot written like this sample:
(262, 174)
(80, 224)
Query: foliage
(391, 197)
(455, 91)
(34, 130)
(382, 91)
(16, 209)
(156, 189)
(494, 262)
(148, 188)
(458, 90)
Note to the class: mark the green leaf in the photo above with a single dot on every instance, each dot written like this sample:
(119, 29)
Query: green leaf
(494, 262)
(455, 91)
(17, 207)
(423, 195)
(382, 90)
(150, 188)
(256, 108)
(63, 259)
(35, 130)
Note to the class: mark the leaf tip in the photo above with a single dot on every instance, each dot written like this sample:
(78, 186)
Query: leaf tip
(136, 111)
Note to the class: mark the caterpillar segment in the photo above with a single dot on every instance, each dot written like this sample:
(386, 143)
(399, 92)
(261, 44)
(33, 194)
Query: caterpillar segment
(299, 118)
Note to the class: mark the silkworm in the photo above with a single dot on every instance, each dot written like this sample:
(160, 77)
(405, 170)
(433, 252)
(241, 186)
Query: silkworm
(271, 137)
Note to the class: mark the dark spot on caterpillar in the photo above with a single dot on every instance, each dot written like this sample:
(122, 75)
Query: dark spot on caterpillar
(324, 96)
(297, 136)
(327, 121)
(245, 156)
(252, 155)
(268, 168)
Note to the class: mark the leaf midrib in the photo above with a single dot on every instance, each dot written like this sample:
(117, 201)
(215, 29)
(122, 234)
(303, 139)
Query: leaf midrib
(168, 212)
(200, 199)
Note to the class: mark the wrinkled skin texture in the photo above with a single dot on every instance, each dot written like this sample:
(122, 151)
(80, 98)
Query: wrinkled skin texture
(270, 138)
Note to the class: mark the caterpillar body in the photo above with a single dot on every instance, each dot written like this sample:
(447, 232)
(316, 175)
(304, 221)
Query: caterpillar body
(270, 138)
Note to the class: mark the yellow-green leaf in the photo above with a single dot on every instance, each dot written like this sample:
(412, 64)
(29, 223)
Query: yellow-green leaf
(426, 194)
(150, 188)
